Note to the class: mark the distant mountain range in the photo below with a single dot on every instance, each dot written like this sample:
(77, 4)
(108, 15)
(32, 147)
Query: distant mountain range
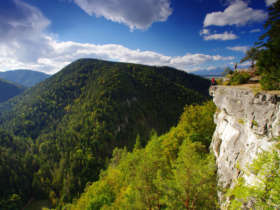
(9, 90)
(214, 72)
(27, 78)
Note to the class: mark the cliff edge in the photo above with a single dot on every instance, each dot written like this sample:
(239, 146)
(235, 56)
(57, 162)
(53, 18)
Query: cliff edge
(247, 124)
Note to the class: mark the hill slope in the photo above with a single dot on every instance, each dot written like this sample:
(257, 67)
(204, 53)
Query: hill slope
(74, 120)
(174, 171)
(9, 90)
(27, 78)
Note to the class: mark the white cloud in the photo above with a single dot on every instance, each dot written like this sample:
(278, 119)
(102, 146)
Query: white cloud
(21, 28)
(270, 2)
(239, 48)
(63, 53)
(242, 65)
(257, 30)
(224, 36)
(238, 13)
(204, 32)
(245, 64)
(137, 14)
(28, 46)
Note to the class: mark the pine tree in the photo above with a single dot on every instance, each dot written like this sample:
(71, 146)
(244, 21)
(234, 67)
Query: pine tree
(269, 57)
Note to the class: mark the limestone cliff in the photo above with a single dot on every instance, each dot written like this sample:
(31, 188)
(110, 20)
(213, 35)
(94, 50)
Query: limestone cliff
(247, 123)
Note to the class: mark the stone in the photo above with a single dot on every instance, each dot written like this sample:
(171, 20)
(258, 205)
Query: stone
(247, 124)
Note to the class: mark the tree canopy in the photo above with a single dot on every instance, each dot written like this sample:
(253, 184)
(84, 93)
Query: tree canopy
(174, 171)
(251, 55)
(269, 58)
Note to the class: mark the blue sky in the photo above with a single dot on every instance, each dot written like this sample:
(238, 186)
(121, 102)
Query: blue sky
(186, 34)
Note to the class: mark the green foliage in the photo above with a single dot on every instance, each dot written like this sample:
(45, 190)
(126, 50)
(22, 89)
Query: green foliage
(255, 123)
(269, 59)
(239, 78)
(269, 68)
(75, 119)
(265, 192)
(241, 121)
(251, 55)
(16, 167)
(227, 71)
(171, 172)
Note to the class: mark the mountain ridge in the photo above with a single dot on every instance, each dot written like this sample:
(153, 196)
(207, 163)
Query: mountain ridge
(25, 77)
(73, 120)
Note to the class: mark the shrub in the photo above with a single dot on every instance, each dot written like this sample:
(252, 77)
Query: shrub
(265, 192)
(269, 68)
(239, 78)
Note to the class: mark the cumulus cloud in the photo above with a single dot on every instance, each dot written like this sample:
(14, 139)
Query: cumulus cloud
(204, 32)
(257, 30)
(17, 16)
(63, 53)
(239, 48)
(137, 14)
(246, 64)
(270, 2)
(238, 13)
(28, 46)
(22, 27)
(223, 36)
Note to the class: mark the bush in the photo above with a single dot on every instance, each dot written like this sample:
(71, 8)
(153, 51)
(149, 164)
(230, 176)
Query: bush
(239, 78)
(269, 69)
(264, 193)
(270, 81)
(227, 71)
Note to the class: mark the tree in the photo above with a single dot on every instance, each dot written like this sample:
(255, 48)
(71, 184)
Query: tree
(271, 37)
(264, 193)
(227, 71)
(251, 55)
(269, 57)
(173, 171)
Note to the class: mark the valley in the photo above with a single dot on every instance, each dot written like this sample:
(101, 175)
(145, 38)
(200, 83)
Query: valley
(61, 133)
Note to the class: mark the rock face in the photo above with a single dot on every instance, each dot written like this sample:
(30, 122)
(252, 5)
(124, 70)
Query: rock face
(247, 124)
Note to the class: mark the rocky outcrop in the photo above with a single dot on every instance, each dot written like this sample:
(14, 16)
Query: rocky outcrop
(247, 124)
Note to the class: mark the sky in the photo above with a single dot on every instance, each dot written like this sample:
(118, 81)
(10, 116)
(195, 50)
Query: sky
(191, 35)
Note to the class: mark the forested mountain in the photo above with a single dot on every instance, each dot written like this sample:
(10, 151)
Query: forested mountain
(27, 78)
(9, 90)
(174, 171)
(67, 126)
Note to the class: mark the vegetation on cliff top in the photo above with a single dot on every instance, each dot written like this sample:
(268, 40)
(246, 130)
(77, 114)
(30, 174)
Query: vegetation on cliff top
(266, 53)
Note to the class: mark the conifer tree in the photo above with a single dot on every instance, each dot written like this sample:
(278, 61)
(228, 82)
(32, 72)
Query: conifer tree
(269, 58)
